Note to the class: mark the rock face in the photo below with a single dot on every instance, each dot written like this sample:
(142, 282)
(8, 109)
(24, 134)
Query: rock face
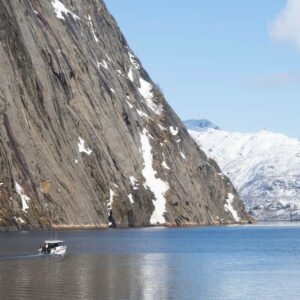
(87, 139)
(264, 166)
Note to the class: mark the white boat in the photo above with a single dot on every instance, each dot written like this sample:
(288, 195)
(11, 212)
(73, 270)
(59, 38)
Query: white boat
(53, 247)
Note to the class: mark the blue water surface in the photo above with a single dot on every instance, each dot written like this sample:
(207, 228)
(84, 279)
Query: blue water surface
(231, 262)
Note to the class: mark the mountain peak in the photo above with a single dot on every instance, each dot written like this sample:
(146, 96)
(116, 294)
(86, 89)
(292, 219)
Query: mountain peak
(200, 125)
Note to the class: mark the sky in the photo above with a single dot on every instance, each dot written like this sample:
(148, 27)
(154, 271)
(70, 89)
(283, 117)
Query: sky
(234, 62)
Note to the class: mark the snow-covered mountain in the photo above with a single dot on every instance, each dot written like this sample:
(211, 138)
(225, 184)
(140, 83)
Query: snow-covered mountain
(264, 166)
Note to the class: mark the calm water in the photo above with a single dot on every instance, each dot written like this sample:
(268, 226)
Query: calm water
(237, 262)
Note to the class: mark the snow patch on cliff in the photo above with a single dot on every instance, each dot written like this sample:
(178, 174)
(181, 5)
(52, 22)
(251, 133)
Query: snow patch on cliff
(91, 26)
(133, 182)
(133, 60)
(145, 90)
(174, 130)
(164, 164)
(60, 9)
(142, 114)
(130, 198)
(162, 127)
(119, 72)
(19, 220)
(25, 199)
(182, 155)
(129, 104)
(108, 57)
(102, 64)
(229, 208)
(82, 148)
(130, 74)
(156, 185)
(110, 202)
(111, 199)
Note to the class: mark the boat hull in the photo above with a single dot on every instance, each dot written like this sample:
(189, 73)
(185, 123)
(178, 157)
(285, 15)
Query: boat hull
(58, 251)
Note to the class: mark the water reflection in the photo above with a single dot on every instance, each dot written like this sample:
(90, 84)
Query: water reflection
(153, 274)
(92, 276)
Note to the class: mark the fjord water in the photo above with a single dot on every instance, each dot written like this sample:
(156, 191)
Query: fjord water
(232, 262)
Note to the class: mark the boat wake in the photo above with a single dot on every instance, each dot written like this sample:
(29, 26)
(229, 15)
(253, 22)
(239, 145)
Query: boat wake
(21, 256)
(29, 256)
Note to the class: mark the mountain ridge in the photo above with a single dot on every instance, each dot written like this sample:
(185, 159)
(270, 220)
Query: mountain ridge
(264, 166)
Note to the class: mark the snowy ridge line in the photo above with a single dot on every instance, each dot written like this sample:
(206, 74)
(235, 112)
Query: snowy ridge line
(264, 167)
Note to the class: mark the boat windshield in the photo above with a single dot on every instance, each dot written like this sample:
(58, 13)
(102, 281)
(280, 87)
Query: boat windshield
(54, 245)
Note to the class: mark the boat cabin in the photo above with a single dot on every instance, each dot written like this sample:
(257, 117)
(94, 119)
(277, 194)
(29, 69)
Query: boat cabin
(51, 245)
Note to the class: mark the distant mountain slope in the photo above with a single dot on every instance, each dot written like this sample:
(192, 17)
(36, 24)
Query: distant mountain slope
(264, 166)
(199, 125)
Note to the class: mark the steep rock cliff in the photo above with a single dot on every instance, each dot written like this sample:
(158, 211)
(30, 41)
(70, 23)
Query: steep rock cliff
(87, 139)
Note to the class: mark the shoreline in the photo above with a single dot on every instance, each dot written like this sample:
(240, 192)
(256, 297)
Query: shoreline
(94, 227)
(70, 227)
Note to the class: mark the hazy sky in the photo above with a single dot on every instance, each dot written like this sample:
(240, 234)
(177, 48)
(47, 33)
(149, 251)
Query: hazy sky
(234, 62)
